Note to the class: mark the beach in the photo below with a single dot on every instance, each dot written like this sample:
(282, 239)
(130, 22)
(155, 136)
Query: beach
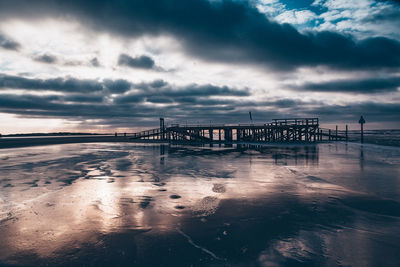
(100, 204)
(26, 141)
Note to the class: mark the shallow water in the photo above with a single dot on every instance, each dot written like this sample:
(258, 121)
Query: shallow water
(152, 205)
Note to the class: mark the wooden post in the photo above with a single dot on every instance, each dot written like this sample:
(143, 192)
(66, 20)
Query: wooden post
(315, 134)
(306, 133)
(162, 128)
(347, 130)
(336, 133)
(329, 134)
(287, 134)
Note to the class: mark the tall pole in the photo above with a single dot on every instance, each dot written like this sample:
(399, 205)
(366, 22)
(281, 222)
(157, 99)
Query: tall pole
(162, 128)
(251, 117)
(362, 121)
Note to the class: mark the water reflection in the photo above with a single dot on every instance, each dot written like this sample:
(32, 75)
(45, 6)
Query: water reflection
(362, 157)
(102, 204)
(282, 155)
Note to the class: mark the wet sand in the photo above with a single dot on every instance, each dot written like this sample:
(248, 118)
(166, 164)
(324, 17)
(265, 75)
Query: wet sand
(13, 142)
(125, 204)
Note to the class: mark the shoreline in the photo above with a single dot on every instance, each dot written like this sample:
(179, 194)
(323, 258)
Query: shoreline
(39, 141)
(6, 143)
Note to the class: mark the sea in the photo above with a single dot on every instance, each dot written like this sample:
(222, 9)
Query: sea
(378, 137)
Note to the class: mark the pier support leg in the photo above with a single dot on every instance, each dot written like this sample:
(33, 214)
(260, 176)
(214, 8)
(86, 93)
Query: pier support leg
(228, 135)
(336, 138)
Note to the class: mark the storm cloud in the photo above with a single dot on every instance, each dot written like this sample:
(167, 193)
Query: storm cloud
(7, 43)
(159, 91)
(361, 86)
(230, 111)
(63, 84)
(100, 61)
(109, 99)
(141, 62)
(226, 30)
(46, 58)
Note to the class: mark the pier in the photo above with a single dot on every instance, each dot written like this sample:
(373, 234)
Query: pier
(297, 130)
(279, 130)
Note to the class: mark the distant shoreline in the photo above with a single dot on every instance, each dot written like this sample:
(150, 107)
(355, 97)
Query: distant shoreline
(50, 134)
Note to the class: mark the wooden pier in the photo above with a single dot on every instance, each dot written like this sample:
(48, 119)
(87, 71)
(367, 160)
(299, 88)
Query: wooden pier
(279, 130)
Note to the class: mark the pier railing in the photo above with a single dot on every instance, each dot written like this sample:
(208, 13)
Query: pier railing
(296, 121)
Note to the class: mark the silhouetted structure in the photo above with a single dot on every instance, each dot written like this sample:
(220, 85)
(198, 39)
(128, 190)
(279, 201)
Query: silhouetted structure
(279, 130)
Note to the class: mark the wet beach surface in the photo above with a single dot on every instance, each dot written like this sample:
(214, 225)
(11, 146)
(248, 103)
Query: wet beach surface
(152, 205)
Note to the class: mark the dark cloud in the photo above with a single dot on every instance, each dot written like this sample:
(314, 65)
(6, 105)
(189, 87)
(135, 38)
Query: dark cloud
(52, 59)
(141, 62)
(46, 58)
(80, 98)
(362, 86)
(372, 111)
(95, 62)
(160, 100)
(161, 88)
(8, 43)
(161, 92)
(91, 99)
(63, 84)
(195, 90)
(129, 99)
(390, 1)
(225, 30)
(121, 113)
(117, 86)
(203, 103)
(158, 84)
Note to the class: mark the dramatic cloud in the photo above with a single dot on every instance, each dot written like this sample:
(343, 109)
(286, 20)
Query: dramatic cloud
(394, 1)
(362, 86)
(375, 112)
(141, 62)
(63, 84)
(227, 111)
(79, 98)
(230, 31)
(8, 43)
(161, 92)
(334, 59)
(46, 58)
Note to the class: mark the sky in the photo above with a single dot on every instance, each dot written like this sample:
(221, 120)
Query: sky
(105, 66)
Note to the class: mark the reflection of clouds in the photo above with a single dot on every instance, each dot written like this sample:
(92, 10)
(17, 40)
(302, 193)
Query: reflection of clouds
(109, 195)
(92, 205)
